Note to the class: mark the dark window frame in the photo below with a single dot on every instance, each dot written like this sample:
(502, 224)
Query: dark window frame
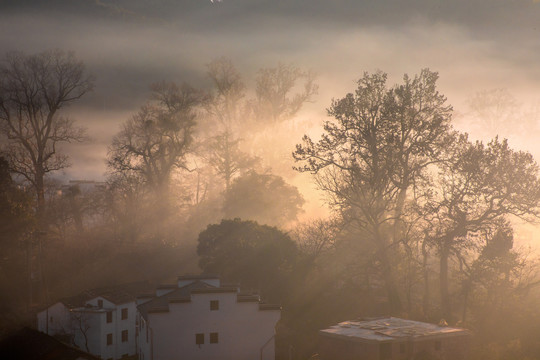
(124, 315)
(214, 305)
(199, 339)
(109, 339)
(125, 336)
(109, 317)
(214, 338)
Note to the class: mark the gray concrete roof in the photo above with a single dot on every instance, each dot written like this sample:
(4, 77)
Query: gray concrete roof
(390, 329)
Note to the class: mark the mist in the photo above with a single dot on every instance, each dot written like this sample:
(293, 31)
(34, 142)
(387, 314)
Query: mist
(150, 225)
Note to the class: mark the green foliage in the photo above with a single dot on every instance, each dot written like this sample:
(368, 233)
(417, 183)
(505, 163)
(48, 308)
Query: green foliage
(265, 198)
(259, 256)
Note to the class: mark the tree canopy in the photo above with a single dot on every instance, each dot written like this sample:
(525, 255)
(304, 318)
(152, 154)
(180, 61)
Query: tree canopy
(265, 198)
(375, 150)
(259, 256)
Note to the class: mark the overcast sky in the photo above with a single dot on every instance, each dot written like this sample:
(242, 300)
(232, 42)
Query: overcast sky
(129, 44)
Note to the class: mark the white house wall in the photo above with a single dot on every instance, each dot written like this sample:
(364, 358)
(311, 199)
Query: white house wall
(118, 348)
(243, 329)
(89, 323)
(54, 320)
(74, 322)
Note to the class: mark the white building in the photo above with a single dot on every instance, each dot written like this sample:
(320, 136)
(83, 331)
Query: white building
(198, 319)
(101, 321)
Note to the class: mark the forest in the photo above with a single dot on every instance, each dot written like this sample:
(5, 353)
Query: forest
(417, 218)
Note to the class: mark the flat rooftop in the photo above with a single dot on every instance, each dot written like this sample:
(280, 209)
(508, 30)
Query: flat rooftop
(389, 329)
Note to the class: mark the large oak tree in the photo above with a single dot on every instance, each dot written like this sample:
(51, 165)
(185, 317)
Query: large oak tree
(374, 152)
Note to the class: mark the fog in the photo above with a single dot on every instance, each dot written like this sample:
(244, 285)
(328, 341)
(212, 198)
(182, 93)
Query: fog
(477, 47)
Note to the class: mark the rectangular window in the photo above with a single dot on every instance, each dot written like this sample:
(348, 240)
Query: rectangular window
(51, 319)
(109, 339)
(124, 335)
(214, 339)
(385, 351)
(199, 339)
(100, 303)
(438, 345)
(214, 304)
(124, 314)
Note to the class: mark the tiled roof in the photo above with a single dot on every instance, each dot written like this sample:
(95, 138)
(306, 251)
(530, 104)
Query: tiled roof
(119, 294)
(161, 303)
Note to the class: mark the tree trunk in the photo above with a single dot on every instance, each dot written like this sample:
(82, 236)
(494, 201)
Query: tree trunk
(40, 195)
(466, 288)
(443, 280)
(389, 280)
(426, 298)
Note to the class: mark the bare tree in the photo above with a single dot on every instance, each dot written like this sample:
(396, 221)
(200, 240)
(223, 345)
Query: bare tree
(477, 188)
(374, 154)
(227, 109)
(229, 91)
(80, 324)
(33, 90)
(156, 140)
(316, 236)
(275, 97)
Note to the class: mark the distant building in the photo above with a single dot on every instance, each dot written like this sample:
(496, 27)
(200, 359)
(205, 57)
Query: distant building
(392, 339)
(199, 319)
(99, 321)
(82, 187)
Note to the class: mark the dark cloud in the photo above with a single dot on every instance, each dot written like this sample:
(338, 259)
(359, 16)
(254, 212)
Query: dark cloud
(129, 44)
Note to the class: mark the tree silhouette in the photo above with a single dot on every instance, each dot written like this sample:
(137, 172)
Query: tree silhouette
(33, 91)
(476, 188)
(156, 140)
(374, 153)
(265, 198)
(259, 256)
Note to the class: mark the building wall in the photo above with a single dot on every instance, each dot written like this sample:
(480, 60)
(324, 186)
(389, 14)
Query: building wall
(144, 340)
(92, 321)
(449, 348)
(54, 320)
(118, 348)
(242, 330)
(87, 323)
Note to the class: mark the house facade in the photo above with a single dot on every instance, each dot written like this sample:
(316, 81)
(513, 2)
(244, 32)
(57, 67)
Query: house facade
(100, 322)
(198, 319)
(393, 339)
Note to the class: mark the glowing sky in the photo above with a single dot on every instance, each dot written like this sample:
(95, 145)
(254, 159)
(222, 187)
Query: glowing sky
(128, 44)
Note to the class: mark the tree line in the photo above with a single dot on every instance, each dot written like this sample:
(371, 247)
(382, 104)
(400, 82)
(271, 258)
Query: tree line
(422, 218)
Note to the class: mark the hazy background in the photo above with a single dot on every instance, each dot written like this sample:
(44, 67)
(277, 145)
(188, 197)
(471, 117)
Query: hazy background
(129, 44)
